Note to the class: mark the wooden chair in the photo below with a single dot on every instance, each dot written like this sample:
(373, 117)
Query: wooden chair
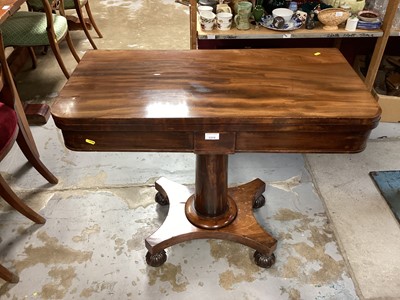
(77, 5)
(14, 127)
(30, 29)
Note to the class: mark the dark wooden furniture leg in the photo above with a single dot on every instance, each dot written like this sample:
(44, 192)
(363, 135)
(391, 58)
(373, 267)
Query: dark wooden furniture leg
(37, 113)
(92, 22)
(83, 23)
(7, 275)
(214, 211)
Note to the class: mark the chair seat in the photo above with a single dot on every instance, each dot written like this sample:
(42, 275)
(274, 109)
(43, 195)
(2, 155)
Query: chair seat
(27, 29)
(8, 126)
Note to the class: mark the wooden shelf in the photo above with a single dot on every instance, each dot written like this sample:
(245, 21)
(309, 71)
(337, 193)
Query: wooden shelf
(265, 33)
(395, 33)
(380, 46)
(382, 35)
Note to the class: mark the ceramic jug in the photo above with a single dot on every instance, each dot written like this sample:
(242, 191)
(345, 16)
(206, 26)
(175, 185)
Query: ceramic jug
(223, 8)
(243, 14)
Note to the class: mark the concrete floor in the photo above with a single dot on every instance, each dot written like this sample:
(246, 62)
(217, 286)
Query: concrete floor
(337, 237)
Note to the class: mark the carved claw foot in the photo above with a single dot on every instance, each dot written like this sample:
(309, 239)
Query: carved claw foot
(264, 261)
(157, 259)
(259, 202)
(160, 199)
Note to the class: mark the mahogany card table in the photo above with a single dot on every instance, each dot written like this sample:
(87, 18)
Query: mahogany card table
(215, 103)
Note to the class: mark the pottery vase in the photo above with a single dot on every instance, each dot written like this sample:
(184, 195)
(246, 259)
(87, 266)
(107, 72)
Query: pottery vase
(243, 15)
(258, 12)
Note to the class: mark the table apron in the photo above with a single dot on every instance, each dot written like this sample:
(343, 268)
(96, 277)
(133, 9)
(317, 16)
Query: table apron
(333, 141)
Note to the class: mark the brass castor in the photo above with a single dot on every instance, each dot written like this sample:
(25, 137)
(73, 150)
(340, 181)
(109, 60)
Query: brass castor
(160, 199)
(156, 259)
(264, 261)
(259, 202)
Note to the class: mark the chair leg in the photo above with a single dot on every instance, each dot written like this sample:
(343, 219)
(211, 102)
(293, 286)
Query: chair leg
(84, 27)
(27, 148)
(45, 49)
(56, 50)
(71, 47)
(6, 275)
(33, 57)
(11, 198)
(89, 13)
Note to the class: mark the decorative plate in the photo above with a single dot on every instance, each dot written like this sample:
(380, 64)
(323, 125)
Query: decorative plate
(369, 25)
(293, 24)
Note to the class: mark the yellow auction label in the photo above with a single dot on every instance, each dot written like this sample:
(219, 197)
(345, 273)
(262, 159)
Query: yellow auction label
(91, 142)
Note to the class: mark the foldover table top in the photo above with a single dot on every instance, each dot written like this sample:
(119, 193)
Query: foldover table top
(290, 92)
(215, 103)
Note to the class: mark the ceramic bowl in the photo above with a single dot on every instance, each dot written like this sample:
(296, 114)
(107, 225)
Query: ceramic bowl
(368, 16)
(204, 8)
(285, 13)
(332, 17)
(355, 5)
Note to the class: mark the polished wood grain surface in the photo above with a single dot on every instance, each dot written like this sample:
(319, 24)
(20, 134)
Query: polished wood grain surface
(239, 86)
(290, 92)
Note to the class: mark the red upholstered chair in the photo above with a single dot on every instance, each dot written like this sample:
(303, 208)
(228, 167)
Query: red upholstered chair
(14, 127)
